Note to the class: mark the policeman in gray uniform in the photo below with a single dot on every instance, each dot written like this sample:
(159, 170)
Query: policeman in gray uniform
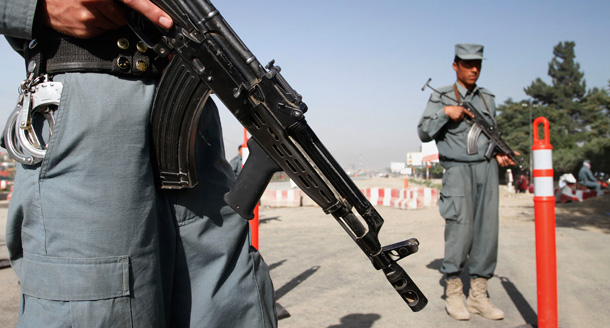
(236, 162)
(91, 239)
(469, 198)
(586, 177)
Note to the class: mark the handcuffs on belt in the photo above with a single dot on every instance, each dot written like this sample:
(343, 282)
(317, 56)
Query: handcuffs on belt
(38, 95)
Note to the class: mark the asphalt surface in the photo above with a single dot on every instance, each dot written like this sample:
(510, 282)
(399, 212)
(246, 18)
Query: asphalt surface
(322, 279)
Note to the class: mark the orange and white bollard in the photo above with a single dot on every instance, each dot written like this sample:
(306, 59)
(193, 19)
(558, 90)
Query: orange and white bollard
(254, 221)
(544, 210)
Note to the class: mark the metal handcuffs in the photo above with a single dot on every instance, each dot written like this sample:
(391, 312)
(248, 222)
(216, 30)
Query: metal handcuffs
(37, 96)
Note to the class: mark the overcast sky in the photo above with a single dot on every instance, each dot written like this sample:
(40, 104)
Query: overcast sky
(360, 65)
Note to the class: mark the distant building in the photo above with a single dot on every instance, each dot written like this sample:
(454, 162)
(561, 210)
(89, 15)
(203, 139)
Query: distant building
(428, 155)
(399, 167)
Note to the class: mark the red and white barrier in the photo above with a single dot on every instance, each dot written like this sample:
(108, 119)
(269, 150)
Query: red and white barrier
(409, 199)
(381, 196)
(281, 198)
(429, 195)
(405, 198)
(586, 194)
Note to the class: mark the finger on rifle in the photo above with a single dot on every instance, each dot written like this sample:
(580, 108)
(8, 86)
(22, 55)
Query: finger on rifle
(150, 11)
(501, 159)
(468, 113)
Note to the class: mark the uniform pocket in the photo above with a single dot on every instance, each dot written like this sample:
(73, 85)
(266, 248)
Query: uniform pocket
(452, 194)
(54, 132)
(98, 289)
(450, 207)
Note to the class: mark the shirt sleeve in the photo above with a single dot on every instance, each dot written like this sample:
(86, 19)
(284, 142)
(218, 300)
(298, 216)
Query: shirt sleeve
(17, 18)
(433, 120)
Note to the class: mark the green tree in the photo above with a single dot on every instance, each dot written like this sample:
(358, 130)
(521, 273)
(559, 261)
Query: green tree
(561, 103)
(568, 86)
(596, 119)
(579, 120)
(514, 121)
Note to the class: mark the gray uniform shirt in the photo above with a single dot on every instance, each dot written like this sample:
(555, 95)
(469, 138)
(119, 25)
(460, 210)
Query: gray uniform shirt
(17, 18)
(452, 137)
(236, 165)
(17, 22)
(586, 177)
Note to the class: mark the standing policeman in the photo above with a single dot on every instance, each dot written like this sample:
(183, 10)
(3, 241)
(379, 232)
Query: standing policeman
(469, 198)
(92, 241)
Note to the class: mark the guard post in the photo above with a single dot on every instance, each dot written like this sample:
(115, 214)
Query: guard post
(544, 211)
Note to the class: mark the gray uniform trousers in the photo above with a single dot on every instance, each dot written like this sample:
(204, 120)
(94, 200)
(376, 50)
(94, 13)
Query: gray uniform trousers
(469, 203)
(95, 244)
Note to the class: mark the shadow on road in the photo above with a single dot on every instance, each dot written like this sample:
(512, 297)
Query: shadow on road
(276, 264)
(266, 220)
(592, 213)
(525, 309)
(4, 263)
(357, 320)
(295, 282)
(435, 264)
(282, 312)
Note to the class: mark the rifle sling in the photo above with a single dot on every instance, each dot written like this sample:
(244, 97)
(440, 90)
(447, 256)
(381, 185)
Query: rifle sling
(459, 99)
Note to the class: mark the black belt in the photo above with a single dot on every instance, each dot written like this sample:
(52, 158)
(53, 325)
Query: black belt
(118, 52)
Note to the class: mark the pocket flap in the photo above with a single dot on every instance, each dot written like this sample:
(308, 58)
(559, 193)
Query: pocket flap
(453, 191)
(75, 279)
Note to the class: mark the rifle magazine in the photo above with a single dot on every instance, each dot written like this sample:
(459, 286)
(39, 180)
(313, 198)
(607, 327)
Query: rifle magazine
(179, 100)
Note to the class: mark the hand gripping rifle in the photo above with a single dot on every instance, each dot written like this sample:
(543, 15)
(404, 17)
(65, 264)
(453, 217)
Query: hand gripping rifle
(480, 124)
(210, 57)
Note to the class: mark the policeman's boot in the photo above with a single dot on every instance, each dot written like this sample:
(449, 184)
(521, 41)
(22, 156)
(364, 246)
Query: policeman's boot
(479, 303)
(454, 300)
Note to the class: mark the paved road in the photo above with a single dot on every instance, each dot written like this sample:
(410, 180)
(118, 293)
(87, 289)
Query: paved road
(323, 280)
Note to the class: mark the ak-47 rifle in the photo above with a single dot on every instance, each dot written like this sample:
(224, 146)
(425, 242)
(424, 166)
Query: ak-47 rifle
(479, 124)
(210, 57)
